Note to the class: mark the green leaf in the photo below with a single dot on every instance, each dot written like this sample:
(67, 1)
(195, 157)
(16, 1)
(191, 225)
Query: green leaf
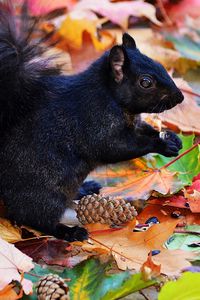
(182, 240)
(187, 166)
(133, 284)
(89, 281)
(185, 288)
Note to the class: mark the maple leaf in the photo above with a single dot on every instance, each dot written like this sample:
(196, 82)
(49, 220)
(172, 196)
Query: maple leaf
(13, 263)
(52, 252)
(134, 179)
(129, 248)
(78, 22)
(185, 116)
(159, 208)
(119, 12)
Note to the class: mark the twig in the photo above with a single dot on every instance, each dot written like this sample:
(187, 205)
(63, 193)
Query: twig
(32, 274)
(145, 297)
(186, 231)
(179, 156)
(168, 21)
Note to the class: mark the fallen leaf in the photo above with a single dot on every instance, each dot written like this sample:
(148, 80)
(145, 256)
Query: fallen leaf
(184, 240)
(149, 269)
(42, 7)
(8, 293)
(185, 116)
(76, 24)
(118, 13)
(135, 180)
(129, 248)
(193, 199)
(186, 166)
(13, 263)
(187, 287)
(163, 213)
(178, 11)
(8, 232)
(52, 252)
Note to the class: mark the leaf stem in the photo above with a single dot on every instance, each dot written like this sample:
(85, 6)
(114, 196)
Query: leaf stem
(190, 92)
(164, 13)
(179, 156)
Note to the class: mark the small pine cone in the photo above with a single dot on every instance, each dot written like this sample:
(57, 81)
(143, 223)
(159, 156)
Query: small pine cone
(106, 210)
(52, 287)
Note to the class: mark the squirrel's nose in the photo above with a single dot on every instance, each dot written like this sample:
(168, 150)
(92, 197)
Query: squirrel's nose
(178, 96)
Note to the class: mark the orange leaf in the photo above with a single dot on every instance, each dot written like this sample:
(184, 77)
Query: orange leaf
(194, 200)
(140, 182)
(129, 248)
(149, 269)
(8, 293)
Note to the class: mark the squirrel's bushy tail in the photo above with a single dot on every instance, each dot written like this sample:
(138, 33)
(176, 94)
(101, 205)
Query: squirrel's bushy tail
(21, 65)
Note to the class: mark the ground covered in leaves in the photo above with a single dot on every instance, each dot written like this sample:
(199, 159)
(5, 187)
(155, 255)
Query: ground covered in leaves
(157, 254)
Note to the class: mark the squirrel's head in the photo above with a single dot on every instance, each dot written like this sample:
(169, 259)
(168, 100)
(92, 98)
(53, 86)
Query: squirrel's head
(139, 83)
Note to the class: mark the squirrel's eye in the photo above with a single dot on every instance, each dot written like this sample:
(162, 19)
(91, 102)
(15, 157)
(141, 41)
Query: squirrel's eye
(146, 82)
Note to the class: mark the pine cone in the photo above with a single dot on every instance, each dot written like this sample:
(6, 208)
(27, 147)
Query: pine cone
(52, 287)
(106, 210)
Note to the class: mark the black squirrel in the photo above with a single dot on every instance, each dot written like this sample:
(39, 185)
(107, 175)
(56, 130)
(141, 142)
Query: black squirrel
(55, 129)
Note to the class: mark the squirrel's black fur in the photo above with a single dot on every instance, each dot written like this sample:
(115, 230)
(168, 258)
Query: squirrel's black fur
(55, 129)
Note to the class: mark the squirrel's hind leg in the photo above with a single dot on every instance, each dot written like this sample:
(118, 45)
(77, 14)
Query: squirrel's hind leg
(43, 211)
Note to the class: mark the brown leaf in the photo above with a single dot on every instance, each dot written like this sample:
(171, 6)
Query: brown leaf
(52, 252)
(130, 248)
(149, 269)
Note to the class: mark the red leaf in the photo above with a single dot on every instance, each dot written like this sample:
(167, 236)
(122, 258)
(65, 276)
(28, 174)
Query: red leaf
(51, 251)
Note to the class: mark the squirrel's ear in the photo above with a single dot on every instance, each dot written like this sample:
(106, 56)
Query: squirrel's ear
(128, 41)
(116, 59)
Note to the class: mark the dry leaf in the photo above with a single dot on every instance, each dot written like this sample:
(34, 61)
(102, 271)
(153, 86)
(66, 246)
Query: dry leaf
(149, 269)
(129, 248)
(13, 263)
(42, 7)
(118, 13)
(76, 24)
(194, 200)
(139, 181)
(163, 213)
(8, 232)
(8, 293)
(185, 116)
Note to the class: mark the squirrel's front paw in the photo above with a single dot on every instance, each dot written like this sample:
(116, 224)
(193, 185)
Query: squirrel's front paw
(171, 143)
(71, 234)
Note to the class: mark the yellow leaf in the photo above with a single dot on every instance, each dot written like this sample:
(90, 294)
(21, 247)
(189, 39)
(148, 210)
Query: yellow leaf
(8, 232)
(73, 27)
